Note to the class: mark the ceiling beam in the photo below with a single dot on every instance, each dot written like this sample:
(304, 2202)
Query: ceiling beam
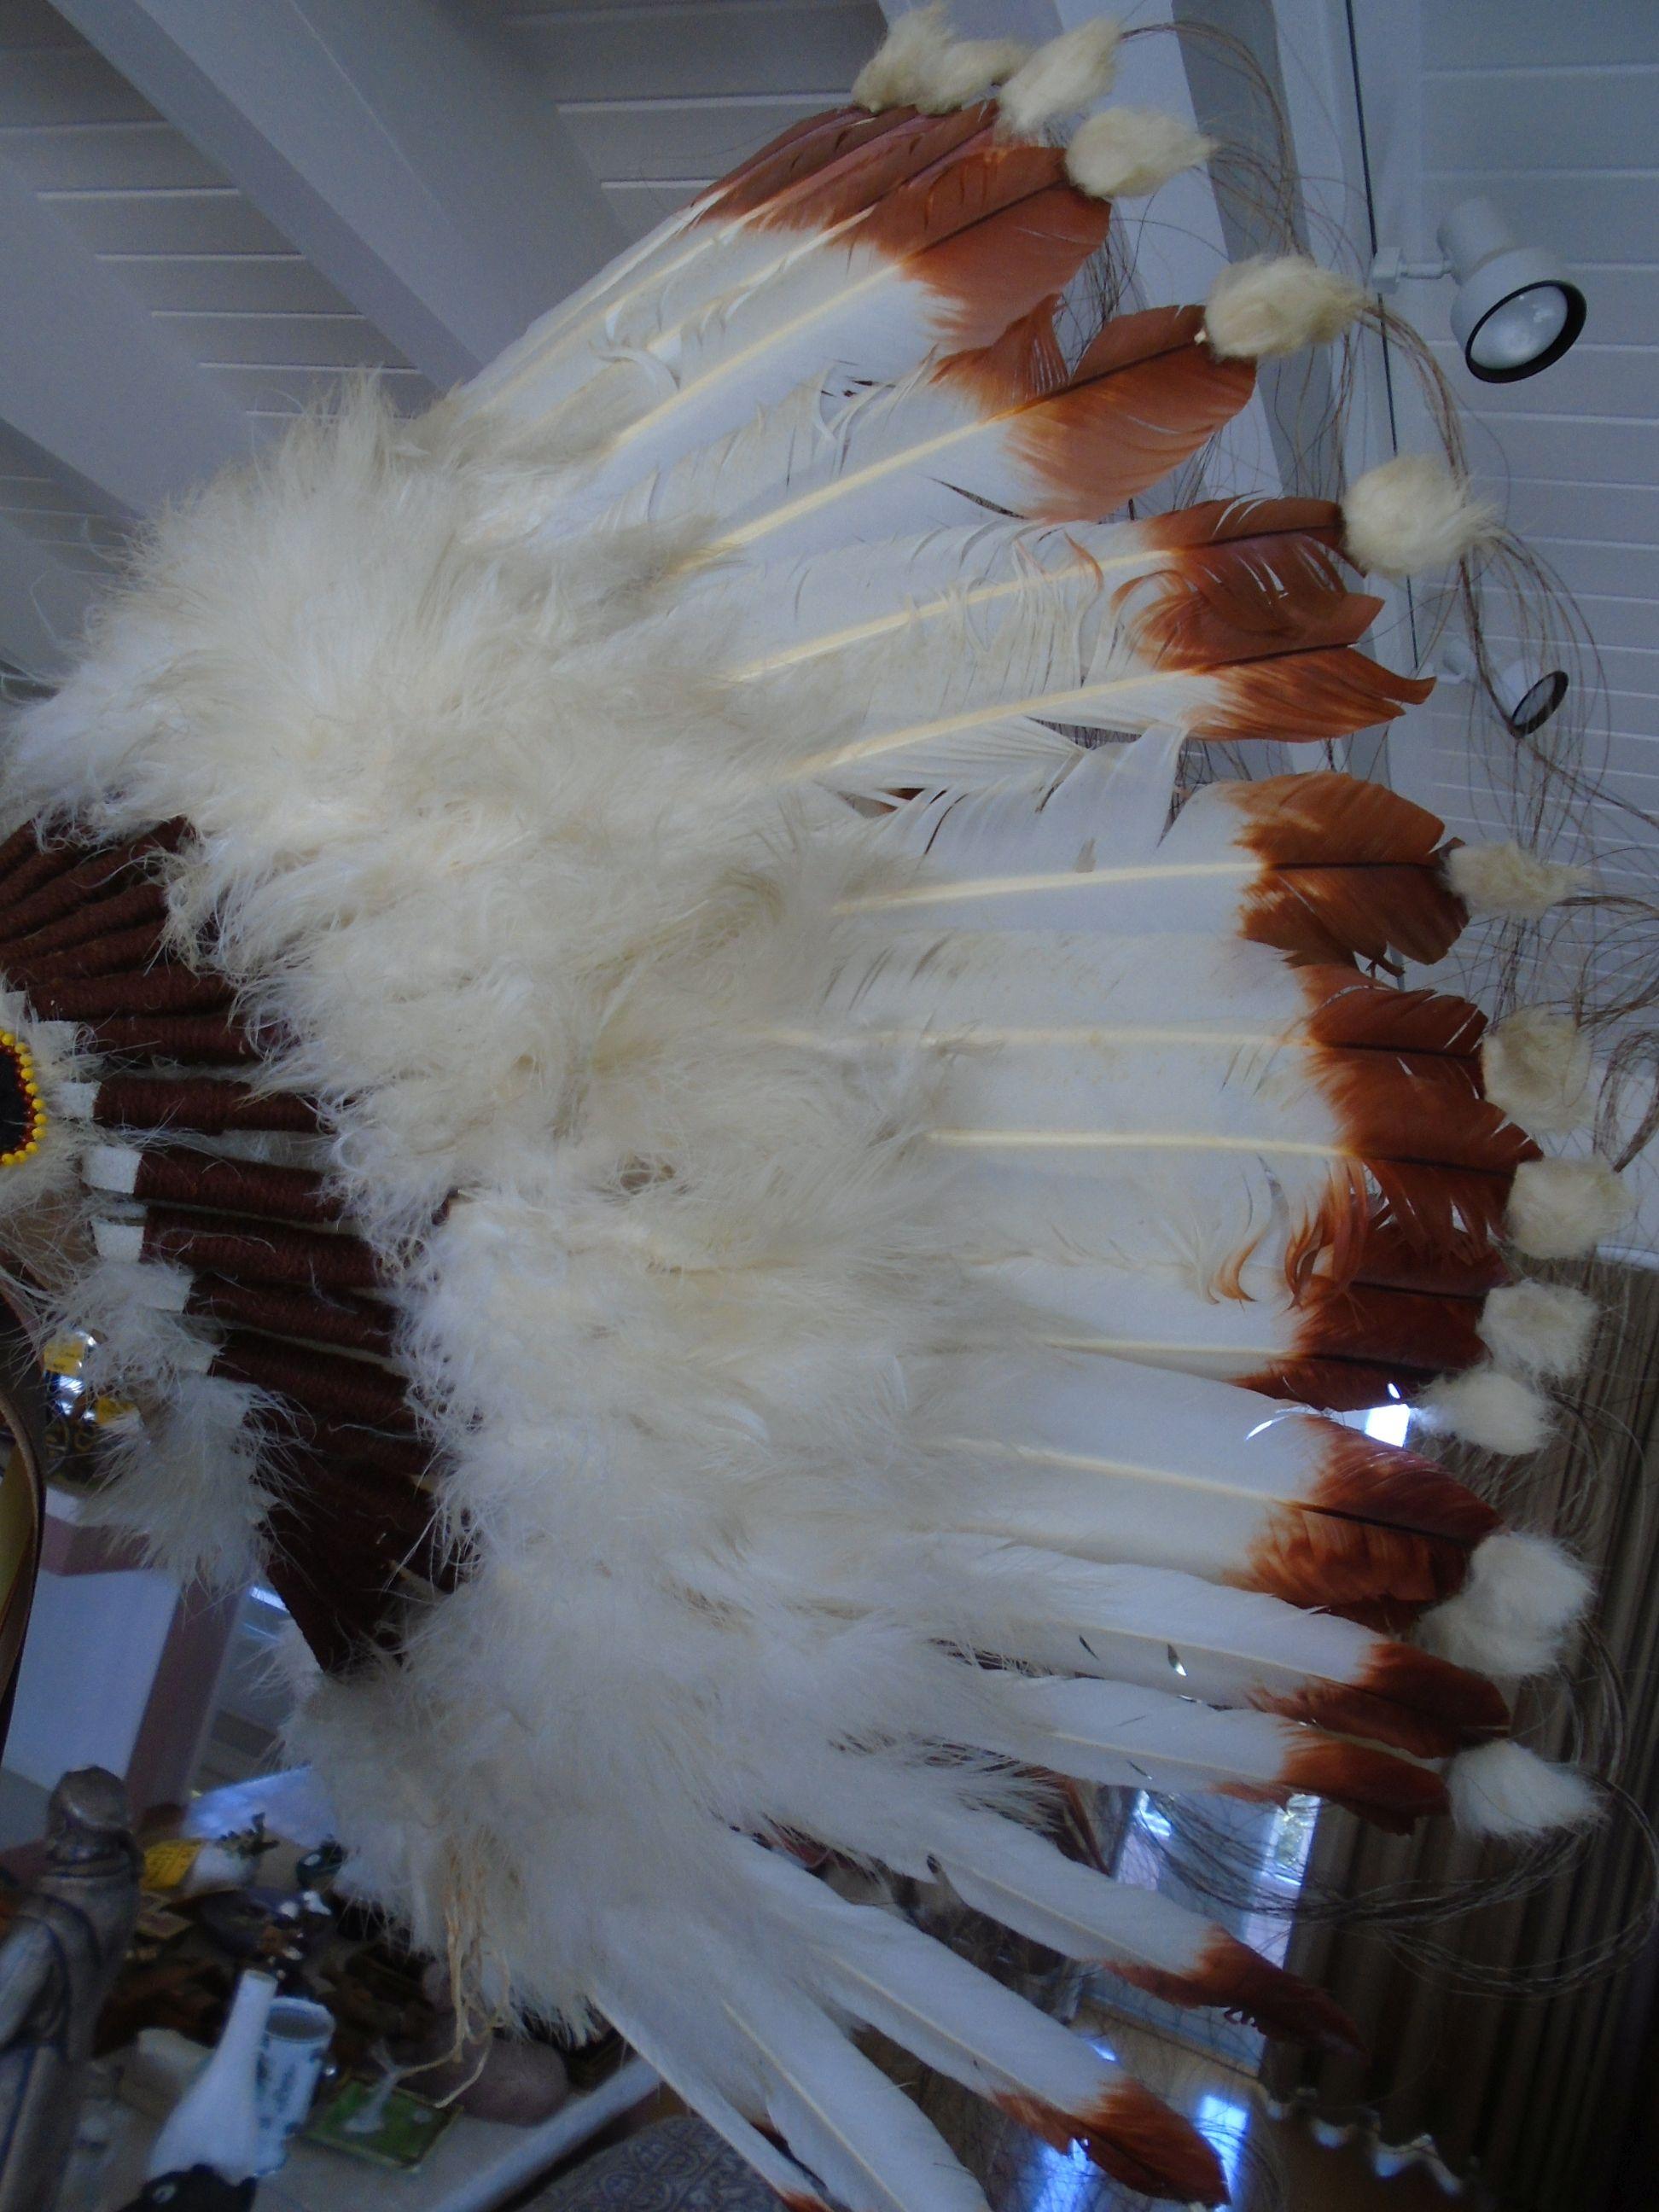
(43, 605)
(398, 146)
(89, 376)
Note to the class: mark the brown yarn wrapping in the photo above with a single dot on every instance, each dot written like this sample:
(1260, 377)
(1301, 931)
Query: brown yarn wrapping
(349, 1547)
(195, 1039)
(61, 889)
(327, 1384)
(275, 1311)
(173, 1174)
(269, 1253)
(166, 988)
(43, 865)
(118, 952)
(352, 1537)
(23, 844)
(198, 1102)
(407, 1457)
(143, 901)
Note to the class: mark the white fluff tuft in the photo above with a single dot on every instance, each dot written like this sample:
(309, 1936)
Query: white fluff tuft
(1413, 512)
(189, 1481)
(1562, 1209)
(1543, 1328)
(1504, 1789)
(1264, 306)
(1523, 1595)
(1124, 153)
(1537, 1066)
(920, 65)
(445, 821)
(1502, 879)
(1063, 75)
(898, 73)
(1498, 1413)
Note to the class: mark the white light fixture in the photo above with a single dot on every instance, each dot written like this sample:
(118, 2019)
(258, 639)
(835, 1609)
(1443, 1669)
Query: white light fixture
(1525, 694)
(1515, 311)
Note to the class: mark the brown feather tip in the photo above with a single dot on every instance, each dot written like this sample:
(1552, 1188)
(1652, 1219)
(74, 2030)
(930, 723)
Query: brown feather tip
(1350, 867)
(1363, 1478)
(1234, 1979)
(1406, 1698)
(1134, 2137)
(818, 187)
(1382, 1533)
(1389, 1792)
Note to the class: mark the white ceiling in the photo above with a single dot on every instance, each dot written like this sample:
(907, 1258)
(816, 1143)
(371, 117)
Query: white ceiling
(662, 98)
(187, 269)
(1551, 111)
(208, 216)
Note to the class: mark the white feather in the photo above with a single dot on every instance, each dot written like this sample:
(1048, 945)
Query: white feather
(1023, 1882)
(1130, 1738)
(830, 465)
(1184, 1472)
(932, 2003)
(870, 2145)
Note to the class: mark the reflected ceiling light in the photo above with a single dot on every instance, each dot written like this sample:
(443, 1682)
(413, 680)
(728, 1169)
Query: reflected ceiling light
(1525, 694)
(1516, 311)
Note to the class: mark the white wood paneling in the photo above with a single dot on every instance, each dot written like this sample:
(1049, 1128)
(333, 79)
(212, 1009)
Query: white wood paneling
(1522, 38)
(278, 282)
(692, 140)
(221, 286)
(1559, 505)
(403, 153)
(660, 99)
(1552, 113)
(719, 48)
(131, 156)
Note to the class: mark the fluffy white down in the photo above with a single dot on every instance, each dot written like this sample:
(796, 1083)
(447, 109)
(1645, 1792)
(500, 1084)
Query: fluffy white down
(1537, 1066)
(1503, 1790)
(1563, 1209)
(1496, 1412)
(1264, 306)
(1522, 1595)
(526, 883)
(1541, 1328)
(1502, 879)
(1063, 75)
(919, 64)
(1412, 512)
(1124, 153)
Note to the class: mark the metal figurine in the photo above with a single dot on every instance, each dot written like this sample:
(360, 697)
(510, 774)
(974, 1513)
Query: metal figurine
(59, 1956)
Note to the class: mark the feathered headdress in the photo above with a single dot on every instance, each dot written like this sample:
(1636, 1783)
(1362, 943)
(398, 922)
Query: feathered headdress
(760, 1242)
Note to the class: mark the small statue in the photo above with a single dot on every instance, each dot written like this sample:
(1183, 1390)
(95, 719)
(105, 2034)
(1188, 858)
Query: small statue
(66, 1940)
